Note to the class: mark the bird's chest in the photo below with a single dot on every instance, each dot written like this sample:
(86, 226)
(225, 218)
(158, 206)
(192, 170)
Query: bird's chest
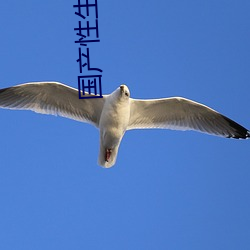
(114, 120)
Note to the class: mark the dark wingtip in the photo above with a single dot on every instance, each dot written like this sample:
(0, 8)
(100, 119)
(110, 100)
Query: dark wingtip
(239, 131)
(248, 134)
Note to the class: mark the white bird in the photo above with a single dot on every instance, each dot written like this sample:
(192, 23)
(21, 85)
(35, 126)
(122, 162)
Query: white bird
(116, 113)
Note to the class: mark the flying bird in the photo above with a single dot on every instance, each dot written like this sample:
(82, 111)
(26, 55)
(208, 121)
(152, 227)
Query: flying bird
(116, 113)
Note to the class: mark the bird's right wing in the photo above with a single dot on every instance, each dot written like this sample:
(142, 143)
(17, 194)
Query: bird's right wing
(52, 98)
(182, 114)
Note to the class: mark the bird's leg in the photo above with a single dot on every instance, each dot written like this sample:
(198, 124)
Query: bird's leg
(108, 154)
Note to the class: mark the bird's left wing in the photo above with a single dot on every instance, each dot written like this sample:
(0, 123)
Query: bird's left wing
(182, 114)
(52, 98)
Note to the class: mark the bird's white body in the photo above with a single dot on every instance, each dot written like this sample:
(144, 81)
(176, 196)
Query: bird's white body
(113, 124)
(116, 113)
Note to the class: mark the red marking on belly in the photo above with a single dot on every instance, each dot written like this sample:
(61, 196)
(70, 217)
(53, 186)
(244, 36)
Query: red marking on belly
(108, 154)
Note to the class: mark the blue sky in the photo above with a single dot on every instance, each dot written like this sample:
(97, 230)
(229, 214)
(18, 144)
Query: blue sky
(169, 189)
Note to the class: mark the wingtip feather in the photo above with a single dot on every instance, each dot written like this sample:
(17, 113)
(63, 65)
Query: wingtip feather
(239, 131)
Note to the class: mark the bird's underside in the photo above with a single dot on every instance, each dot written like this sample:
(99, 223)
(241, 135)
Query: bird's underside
(118, 111)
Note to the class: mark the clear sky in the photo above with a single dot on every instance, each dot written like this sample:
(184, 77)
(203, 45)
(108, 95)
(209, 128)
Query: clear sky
(169, 189)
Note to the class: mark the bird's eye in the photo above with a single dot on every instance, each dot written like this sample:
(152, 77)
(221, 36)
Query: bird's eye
(126, 93)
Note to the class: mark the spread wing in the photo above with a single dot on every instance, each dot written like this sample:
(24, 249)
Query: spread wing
(182, 114)
(52, 98)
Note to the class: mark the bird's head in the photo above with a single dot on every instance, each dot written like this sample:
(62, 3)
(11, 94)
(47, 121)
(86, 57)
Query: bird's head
(124, 91)
(121, 93)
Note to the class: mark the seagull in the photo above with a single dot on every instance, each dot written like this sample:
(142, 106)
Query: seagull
(116, 113)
